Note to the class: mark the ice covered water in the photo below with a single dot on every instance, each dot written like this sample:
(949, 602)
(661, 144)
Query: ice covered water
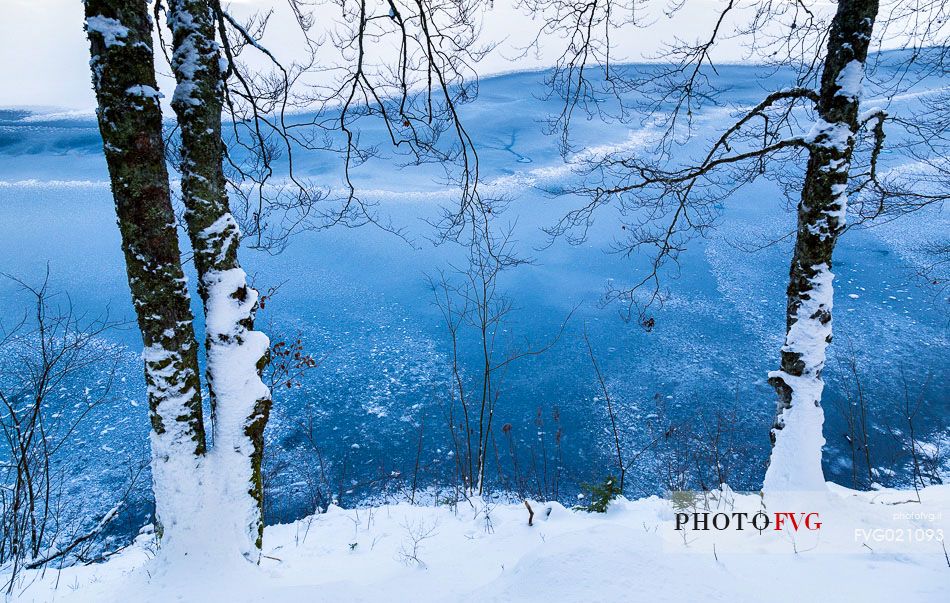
(359, 300)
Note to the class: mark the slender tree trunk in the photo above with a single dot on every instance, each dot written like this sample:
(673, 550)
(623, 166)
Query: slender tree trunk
(130, 120)
(797, 433)
(236, 353)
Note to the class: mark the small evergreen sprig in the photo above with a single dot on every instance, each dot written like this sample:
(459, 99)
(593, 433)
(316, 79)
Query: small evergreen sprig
(600, 495)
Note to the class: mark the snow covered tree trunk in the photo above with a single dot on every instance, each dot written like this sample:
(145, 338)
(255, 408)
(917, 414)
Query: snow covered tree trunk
(130, 120)
(797, 438)
(240, 401)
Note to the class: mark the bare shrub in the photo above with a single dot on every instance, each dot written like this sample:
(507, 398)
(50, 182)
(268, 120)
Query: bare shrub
(42, 356)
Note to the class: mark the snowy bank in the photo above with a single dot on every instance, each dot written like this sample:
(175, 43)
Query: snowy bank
(871, 546)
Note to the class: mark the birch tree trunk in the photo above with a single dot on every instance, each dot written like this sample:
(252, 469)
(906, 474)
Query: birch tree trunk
(796, 435)
(123, 75)
(236, 353)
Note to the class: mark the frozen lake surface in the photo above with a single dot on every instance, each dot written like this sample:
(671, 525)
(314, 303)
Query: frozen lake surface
(359, 299)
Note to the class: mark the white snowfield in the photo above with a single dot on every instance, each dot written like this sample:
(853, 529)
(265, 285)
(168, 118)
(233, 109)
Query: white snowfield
(871, 546)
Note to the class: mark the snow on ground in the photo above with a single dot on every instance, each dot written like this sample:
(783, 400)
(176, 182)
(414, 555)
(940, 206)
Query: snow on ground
(871, 546)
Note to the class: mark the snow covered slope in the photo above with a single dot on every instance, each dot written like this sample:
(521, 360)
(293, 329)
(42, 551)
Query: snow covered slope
(872, 546)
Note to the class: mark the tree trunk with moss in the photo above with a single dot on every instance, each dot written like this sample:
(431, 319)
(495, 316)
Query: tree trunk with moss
(130, 121)
(797, 438)
(240, 401)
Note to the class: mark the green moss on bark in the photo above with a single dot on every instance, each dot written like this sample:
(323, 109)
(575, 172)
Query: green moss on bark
(820, 211)
(131, 125)
(213, 232)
